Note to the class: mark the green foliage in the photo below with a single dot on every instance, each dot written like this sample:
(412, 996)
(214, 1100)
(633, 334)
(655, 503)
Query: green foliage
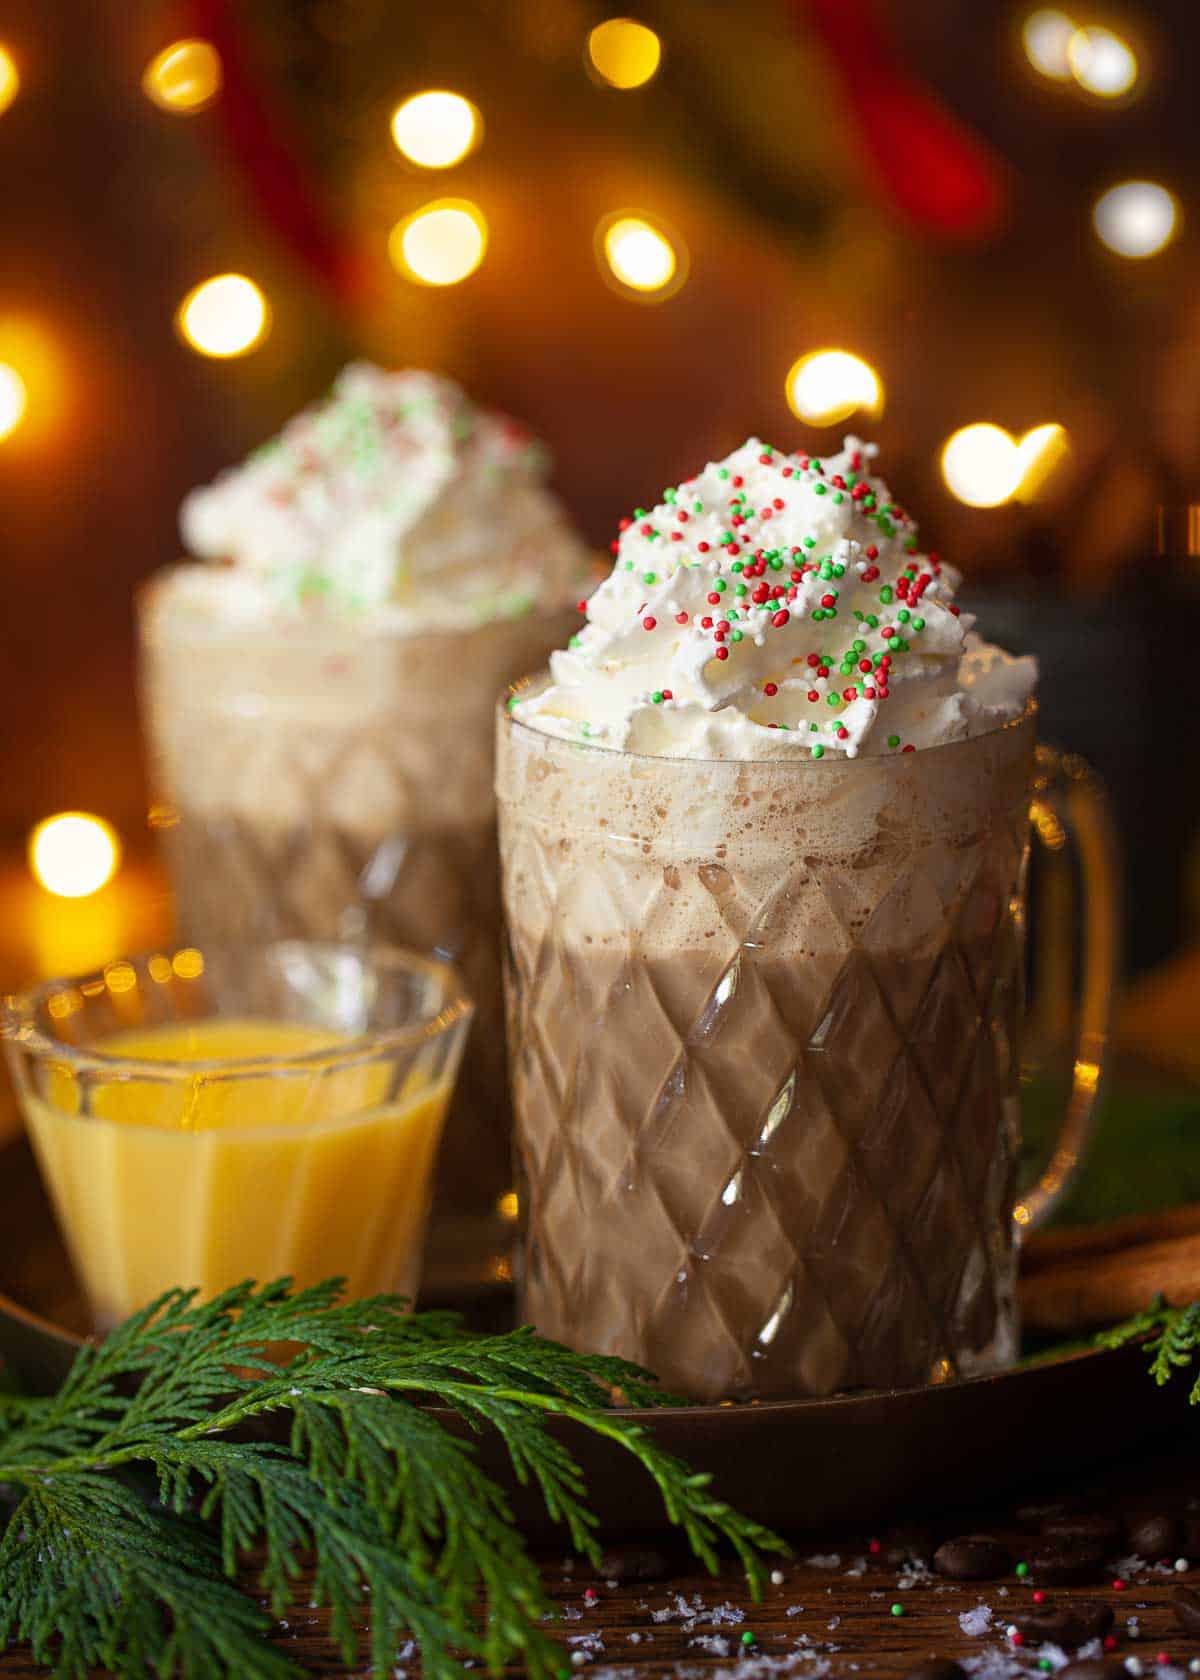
(1172, 1337)
(391, 1507)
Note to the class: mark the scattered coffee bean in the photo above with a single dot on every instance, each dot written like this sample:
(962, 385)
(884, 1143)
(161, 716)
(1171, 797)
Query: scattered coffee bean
(937, 1668)
(1037, 1512)
(972, 1557)
(1096, 1526)
(1094, 1668)
(1069, 1625)
(1155, 1537)
(903, 1545)
(635, 1563)
(1185, 1602)
(1061, 1563)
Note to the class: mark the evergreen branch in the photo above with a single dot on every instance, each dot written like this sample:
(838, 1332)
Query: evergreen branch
(1171, 1336)
(391, 1505)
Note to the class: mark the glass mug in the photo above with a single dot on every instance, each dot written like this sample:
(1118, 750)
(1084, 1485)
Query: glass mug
(764, 1029)
(240, 1112)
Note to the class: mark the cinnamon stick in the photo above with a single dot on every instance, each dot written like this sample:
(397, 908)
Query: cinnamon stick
(1083, 1279)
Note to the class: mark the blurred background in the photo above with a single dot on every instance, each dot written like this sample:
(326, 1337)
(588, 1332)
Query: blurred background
(967, 230)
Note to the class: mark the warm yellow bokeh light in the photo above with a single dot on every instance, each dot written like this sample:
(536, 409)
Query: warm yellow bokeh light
(436, 129)
(1038, 453)
(440, 244)
(640, 255)
(12, 400)
(981, 465)
(73, 854)
(224, 316)
(1102, 62)
(10, 78)
(1046, 36)
(827, 386)
(184, 77)
(624, 53)
(1136, 219)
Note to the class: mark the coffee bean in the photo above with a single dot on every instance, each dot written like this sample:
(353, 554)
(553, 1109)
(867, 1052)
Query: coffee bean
(1097, 1526)
(1094, 1668)
(1037, 1512)
(1069, 1625)
(1155, 1537)
(972, 1557)
(635, 1563)
(1185, 1602)
(1066, 1561)
(903, 1545)
(937, 1668)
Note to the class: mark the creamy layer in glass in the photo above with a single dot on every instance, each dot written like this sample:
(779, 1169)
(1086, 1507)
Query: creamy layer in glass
(318, 693)
(763, 999)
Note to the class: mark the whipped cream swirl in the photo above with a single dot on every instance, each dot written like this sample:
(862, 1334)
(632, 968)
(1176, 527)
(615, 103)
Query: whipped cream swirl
(776, 604)
(395, 496)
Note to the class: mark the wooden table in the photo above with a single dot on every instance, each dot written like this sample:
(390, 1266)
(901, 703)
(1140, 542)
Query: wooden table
(832, 1612)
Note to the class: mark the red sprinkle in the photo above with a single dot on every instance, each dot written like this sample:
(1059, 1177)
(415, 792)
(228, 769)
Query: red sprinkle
(614, 547)
(849, 693)
(681, 618)
(737, 481)
(683, 516)
(1111, 1642)
(874, 1547)
(908, 748)
(667, 695)
(676, 536)
(770, 688)
(781, 617)
(722, 653)
(1118, 1585)
(814, 659)
(702, 547)
(647, 530)
(706, 623)
(778, 502)
(649, 623)
(813, 695)
(864, 664)
(714, 600)
(624, 524)
(822, 670)
(1039, 1597)
(869, 693)
(829, 600)
(871, 553)
(581, 605)
(1016, 1637)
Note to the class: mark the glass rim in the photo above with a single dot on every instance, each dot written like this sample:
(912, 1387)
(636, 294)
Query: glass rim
(383, 627)
(789, 762)
(455, 1008)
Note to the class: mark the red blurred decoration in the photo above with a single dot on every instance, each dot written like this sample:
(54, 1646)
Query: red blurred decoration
(268, 157)
(934, 169)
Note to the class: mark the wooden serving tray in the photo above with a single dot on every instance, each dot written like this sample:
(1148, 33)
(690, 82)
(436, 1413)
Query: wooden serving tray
(857, 1459)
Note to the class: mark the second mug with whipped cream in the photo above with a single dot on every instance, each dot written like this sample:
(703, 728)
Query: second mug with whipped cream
(763, 828)
(318, 685)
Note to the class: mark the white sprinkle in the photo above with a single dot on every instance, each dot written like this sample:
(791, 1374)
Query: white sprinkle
(578, 1658)
(976, 1622)
(1134, 1665)
(1182, 1566)
(1194, 1666)
(777, 1577)
(825, 1560)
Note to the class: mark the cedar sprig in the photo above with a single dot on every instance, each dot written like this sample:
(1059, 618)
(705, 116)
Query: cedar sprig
(403, 1526)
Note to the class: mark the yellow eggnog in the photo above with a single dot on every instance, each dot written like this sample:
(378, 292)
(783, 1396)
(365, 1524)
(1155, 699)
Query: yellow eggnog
(234, 1163)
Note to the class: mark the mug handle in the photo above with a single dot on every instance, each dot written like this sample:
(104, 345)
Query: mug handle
(1070, 811)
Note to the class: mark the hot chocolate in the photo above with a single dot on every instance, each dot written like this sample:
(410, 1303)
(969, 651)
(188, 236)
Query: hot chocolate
(319, 708)
(763, 999)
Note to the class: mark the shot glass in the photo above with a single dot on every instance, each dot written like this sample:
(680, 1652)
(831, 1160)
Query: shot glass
(240, 1112)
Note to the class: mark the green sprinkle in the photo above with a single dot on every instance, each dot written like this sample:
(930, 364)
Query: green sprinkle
(656, 697)
(893, 740)
(897, 1609)
(825, 570)
(627, 565)
(871, 621)
(697, 507)
(815, 466)
(903, 615)
(573, 642)
(737, 566)
(741, 589)
(833, 699)
(918, 624)
(776, 562)
(748, 1638)
(838, 497)
(649, 577)
(819, 489)
(639, 513)
(512, 701)
(885, 595)
(735, 635)
(720, 586)
(818, 751)
(670, 497)
(859, 647)
(818, 613)
(809, 542)
(1021, 1571)
(722, 472)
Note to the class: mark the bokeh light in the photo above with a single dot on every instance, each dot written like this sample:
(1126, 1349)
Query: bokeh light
(827, 386)
(1102, 63)
(10, 78)
(436, 129)
(13, 399)
(184, 77)
(624, 53)
(1136, 219)
(73, 854)
(641, 256)
(440, 244)
(981, 464)
(1039, 451)
(1046, 36)
(224, 316)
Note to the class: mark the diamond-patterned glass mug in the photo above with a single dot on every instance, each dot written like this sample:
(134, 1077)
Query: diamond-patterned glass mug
(332, 780)
(764, 1025)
